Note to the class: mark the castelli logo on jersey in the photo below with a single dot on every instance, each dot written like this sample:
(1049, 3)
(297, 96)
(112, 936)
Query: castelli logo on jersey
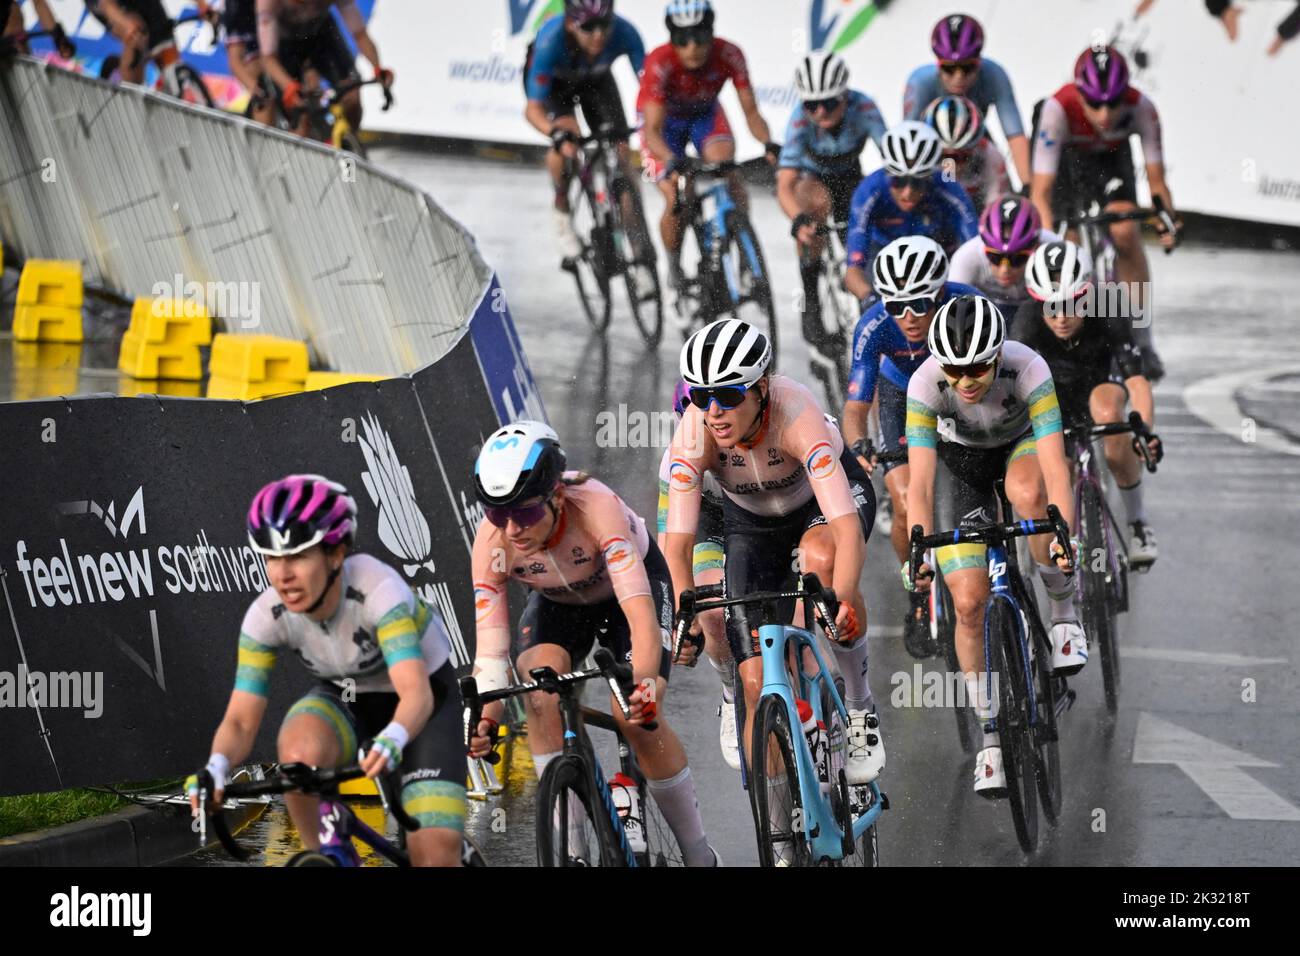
(682, 475)
(619, 555)
(820, 460)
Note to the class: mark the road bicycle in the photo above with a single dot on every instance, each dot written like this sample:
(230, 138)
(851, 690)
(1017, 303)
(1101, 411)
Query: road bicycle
(831, 356)
(610, 223)
(579, 821)
(339, 824)
(1104, 565)
(806, 813)
(327, 121)
(176, 78)
(731, 278)
(1027, 698)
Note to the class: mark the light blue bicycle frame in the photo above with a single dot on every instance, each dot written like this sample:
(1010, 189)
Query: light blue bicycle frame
(717, 233)
(820, 828)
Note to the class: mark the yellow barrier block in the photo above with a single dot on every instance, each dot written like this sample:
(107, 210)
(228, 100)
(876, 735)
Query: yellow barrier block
(140, 358)
(47, 307)
(219, 387)
(319, 380)
(45, 369)
(170, 322)
(258, 358)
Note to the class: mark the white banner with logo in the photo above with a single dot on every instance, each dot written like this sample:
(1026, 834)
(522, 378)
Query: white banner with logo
(1224, 106)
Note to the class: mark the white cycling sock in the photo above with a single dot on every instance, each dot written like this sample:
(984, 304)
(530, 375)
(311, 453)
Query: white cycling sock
(853, 667)
(681, 810)
(540, 761)
(1132, 498)
(978, 697)
(1060, 592)
(727, 674)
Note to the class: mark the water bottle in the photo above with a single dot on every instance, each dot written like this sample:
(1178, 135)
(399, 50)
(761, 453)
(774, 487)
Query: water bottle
(627, 801)
(814, 731)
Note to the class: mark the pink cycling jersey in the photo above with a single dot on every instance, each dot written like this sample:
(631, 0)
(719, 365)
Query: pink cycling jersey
(796, 457)
(596, 552)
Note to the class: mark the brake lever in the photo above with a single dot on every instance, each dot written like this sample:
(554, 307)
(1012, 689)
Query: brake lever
(620, 683)
(472, 714)
(682, 632)
(1062, 532)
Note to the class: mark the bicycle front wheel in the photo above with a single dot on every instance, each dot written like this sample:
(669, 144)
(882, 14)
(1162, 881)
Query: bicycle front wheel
(640, 274)
(1014, 729)
(942, 622)
(1098, 607)
(774, 785)
(590, 268)
(747, 281)
(190, 86)
(573, 828)
(848, 803)
(311, 858)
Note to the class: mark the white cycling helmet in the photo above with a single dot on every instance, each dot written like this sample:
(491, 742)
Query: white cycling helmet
(1056, 272)
(689, 13)
(910, 268)
(911, 148)
(518, 461)
(967, 330)
(956, 119)
(822, 75)
(727, 352)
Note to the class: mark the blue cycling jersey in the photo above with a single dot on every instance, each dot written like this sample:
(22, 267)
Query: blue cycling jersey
(834, 152)
(992, 87)
(557, 58)
(879, 345)
(944, 214)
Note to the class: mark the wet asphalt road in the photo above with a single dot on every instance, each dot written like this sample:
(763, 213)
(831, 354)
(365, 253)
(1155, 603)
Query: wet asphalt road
(1210, 646)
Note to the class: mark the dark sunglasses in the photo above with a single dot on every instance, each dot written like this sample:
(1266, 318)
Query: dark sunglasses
(1103, 104)
(701, 36)
(728, 396)
(524, 517)
(818, 106)
(603, 25)
(955, 372)
(918, 306)
(962, 66)
(1014, 259)
(903, 182)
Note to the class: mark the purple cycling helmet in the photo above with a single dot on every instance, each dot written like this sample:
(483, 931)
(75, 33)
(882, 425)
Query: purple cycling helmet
(1010, 224)
(681, 398)
(1101, 74)
(584, 10)
(293, 514)
(957, 37)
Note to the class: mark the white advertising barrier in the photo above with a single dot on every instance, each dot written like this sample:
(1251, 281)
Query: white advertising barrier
(1226, 108)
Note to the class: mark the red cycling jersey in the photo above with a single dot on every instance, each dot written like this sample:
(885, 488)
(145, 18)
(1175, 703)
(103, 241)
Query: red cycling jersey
(691, 92)
(1062, 125)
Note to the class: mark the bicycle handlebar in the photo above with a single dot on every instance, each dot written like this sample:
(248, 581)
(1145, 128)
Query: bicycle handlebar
(618, 676)
(1141, 436)
(1159, 212)
(710, 597)
(996, 533)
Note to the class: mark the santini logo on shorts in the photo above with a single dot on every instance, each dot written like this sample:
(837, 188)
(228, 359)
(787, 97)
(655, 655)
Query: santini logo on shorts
(682, 475)
(820, 460)
(619, 555)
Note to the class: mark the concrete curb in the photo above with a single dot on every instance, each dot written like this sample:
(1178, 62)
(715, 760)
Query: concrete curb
(132, 836)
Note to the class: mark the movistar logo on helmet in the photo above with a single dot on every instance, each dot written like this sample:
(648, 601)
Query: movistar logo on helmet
(837, 24)
(503, 443)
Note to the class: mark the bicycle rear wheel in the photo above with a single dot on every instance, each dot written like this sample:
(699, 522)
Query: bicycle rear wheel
(190, 86)
(746, 277)
(774, 786)
(589, 267)
(311, 858)
(1014, 728)
(942, 621)
(573, 827)
(1098, 609)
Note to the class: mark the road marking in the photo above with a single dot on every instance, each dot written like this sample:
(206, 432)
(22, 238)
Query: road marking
(1199, 657)
(1213, 767)
(1214, 399)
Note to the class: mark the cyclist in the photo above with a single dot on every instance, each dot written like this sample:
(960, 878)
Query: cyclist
(789, 488)
(998, 411)
(958, 43)
(1098, 368)
(593, 573)
(12, 31)
(818, 169)
(994, 261)
(706, 569)
(1082, 155)
(568, 66)
(907, 197)
(889, 344)
(291, 33)
(679, 104)
(143, 27)
(239, 36)
(381, 655)
(968, 154)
